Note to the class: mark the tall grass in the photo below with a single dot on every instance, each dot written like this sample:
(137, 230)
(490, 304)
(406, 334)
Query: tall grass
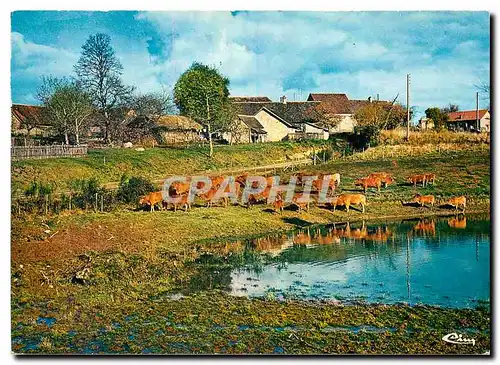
(417, 138)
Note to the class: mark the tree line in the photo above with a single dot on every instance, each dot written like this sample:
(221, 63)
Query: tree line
(96, 95)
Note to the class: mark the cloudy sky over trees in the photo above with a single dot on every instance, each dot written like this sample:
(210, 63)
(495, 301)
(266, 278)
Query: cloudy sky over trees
(270, 53)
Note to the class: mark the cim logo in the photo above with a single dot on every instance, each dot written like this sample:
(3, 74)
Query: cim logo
(458, 339)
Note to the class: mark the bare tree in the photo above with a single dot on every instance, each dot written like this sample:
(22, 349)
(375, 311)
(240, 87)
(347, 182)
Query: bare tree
(147, 109)
(99, 71)
(450, 108)
(153, 105)
(66, 106)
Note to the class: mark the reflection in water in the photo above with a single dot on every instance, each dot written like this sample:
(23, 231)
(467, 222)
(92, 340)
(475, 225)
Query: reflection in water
(458, 222)
(418, 261)
(424, 228)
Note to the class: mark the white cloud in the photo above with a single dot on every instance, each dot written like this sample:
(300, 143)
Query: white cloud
(36, 59)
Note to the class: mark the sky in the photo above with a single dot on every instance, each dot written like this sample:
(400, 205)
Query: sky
(270, 54)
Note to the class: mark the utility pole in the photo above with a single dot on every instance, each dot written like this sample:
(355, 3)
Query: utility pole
(477, 110)
(407, 107)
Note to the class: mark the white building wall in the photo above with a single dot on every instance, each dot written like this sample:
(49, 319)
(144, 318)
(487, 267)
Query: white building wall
(346, 124)
(275, 129)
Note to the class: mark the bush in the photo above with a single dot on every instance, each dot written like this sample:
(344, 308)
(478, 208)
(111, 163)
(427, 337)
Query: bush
(131, 189)
(365, 137)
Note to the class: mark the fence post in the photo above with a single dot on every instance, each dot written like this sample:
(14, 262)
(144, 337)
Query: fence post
(102, 203)
(95, 202)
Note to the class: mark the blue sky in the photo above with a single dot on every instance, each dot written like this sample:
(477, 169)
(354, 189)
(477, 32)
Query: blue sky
(270, 53)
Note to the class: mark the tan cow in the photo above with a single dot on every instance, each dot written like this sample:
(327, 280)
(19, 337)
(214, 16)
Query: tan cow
(369, 182)
(416, 179)
(300, 205)
(349, 199)
(151, 199)
(385, 178)
(430, 178)
(457, 202)
(423, 199)
(183, 202)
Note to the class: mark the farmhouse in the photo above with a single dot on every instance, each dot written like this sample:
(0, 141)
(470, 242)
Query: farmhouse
(466, 120)
(179, 129)
(315, 118)
(425, 123)
(339, 111)
(166, 129)
(28, 115)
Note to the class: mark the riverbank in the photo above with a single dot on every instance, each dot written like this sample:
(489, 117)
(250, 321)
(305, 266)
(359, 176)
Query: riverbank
(218, 323)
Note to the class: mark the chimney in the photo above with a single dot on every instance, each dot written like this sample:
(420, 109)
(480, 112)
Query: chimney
(369, 99)
(283, 99)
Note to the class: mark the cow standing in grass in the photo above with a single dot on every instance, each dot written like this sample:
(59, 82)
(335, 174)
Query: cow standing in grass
(457, 202)
(151, 199)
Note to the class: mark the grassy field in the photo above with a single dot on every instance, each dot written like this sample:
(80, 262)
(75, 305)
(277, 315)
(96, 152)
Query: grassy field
(138, 257)
(108, 165)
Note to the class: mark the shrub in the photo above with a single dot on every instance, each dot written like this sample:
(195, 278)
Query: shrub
(131, 189)
(365, 136)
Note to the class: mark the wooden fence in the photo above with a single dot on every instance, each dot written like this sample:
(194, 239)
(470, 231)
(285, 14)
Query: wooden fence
(38, 152)
(297, 136)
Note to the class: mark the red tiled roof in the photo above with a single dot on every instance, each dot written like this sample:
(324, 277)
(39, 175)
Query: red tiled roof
(22, 111)
(250, 99)
(465, 115)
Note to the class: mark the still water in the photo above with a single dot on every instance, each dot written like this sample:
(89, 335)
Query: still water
(438, 261)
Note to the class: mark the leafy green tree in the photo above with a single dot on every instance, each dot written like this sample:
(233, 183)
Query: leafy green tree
(438, 116)
(201, 93)
(374, 117)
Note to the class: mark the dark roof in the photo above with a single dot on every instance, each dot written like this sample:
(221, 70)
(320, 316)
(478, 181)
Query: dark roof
(335, 103)
(250, 99)
(252, 123)
(316, 125)
(466, 115)
(291, 113)
(178, 123)
(22, 112)
(340, 103)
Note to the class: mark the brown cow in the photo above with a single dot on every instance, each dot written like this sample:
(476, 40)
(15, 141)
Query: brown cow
(217, 181)
(208, 197)
(457, 202)
(300, 205)
(349, 199)
(430, 178)
(183, 202)
(279, 203)
(415, 179)
(369, 182)
(384, 177)
(333, 182)
(179, 188)
(423, 199)
(151, 199)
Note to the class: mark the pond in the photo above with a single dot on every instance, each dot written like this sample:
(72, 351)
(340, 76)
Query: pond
(436, 261)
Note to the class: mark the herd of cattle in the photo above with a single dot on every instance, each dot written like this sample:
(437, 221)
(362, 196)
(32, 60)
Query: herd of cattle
(181, 192)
